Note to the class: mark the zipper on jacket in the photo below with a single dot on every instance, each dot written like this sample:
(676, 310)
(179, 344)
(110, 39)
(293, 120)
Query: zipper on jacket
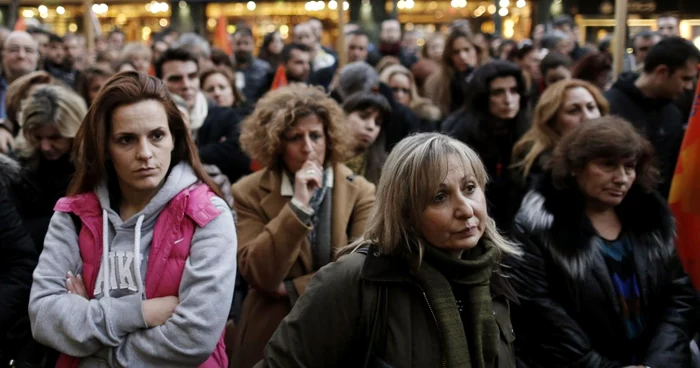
(430, 308)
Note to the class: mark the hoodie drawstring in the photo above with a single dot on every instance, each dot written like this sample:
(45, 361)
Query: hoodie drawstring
(137, 253)
(105, 254)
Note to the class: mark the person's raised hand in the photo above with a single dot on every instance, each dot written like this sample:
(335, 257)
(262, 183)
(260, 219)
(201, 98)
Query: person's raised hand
(307, 180)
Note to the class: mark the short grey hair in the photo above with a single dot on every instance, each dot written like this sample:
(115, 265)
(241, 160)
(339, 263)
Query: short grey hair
(551, 39)
(194, 43)
(357, 77)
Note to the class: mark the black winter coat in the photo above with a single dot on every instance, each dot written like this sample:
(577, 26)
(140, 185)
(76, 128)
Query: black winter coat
(42, 186)
(658, 120)
(569, 314)
(18, 257)
(218, 143)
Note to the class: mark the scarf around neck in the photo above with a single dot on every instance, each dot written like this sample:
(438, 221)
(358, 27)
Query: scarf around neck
(198, 113)
(478, 347)
(321, 218)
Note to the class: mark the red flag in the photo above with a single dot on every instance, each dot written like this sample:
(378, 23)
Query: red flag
(280, 79)
(685, 196)
(19, 24)
(221, 36)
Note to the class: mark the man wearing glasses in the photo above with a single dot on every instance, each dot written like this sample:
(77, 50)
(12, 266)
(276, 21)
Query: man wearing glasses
(20, 55)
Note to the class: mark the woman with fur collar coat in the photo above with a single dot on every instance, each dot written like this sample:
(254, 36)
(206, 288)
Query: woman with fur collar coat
(600, 284)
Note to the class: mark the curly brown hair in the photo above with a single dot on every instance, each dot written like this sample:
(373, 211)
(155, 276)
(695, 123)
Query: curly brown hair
(608, 137)
(262, 132)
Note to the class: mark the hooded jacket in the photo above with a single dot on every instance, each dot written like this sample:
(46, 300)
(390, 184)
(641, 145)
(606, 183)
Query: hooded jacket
(659, 120)
(110, 330)
(569, 313)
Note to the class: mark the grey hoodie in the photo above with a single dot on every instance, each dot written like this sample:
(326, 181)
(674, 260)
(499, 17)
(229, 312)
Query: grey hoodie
(110, 330)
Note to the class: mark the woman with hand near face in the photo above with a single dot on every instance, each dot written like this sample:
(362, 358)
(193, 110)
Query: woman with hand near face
(562, 107)
(138, 265)
(600, 283)
(296, 212)
(430, 269)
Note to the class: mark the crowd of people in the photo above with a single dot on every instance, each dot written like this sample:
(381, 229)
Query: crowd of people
(477, 202)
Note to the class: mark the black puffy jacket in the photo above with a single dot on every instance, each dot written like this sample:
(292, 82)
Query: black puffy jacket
(569, 315)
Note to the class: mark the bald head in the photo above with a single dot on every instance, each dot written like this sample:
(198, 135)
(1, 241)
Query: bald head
(20, 55)
(304, 34)
(316, 28)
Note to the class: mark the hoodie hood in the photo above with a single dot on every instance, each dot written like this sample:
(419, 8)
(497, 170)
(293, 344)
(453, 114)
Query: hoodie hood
(180, 177)
(626, 84)
(126, 244)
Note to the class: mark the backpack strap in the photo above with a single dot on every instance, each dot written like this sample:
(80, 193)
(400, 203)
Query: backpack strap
(378, 320)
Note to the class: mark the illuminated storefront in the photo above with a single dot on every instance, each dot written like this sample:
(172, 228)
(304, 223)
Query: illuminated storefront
(136, 20)
(596, 19)
(421, 16)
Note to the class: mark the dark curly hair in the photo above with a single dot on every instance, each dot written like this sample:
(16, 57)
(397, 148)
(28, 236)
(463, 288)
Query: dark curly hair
(608, 137)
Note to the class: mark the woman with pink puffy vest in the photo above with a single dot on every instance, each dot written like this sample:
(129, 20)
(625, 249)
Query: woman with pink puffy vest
(139, 262)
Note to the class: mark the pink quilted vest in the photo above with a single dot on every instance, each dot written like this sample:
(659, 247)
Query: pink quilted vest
(192, 207)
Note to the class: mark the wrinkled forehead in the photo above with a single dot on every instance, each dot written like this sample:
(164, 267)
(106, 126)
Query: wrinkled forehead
(20, 39)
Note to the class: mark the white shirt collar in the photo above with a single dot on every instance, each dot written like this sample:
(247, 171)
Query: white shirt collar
(288, 191)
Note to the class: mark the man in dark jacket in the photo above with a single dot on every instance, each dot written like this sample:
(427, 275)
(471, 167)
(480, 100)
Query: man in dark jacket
(357, 43)
(647, 101)
(390, 45)
(257, 73)
(215, 128)
(56, 62)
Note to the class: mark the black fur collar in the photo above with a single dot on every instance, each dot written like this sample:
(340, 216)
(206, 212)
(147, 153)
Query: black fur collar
(558, 218)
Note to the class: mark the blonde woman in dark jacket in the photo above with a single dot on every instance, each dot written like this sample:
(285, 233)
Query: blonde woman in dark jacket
(428, 293)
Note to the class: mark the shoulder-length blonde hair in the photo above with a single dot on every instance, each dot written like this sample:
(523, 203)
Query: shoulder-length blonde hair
(18, 91)
(262, 132)
(542, 137)
(51, 105)
(411, 178)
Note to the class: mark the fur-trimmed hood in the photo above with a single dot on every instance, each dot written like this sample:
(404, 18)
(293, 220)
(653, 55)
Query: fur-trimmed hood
(559, 218)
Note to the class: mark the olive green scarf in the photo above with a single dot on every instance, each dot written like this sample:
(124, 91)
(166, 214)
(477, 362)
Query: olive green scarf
(479, 348)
